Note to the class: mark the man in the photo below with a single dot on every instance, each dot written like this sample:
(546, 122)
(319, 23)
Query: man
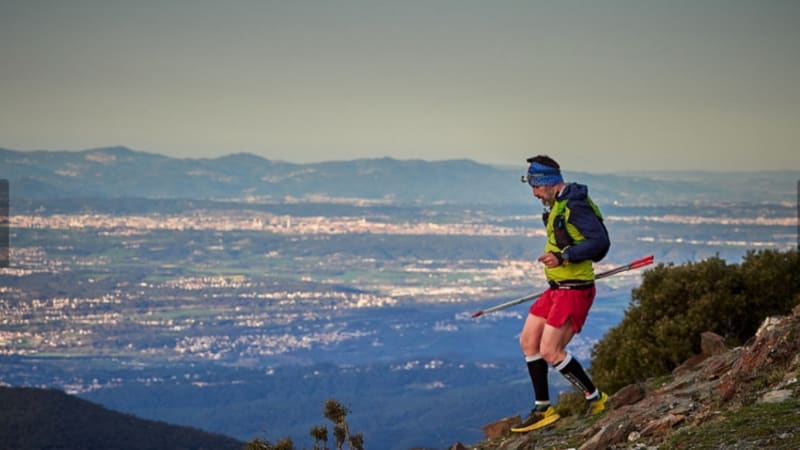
(576, 236)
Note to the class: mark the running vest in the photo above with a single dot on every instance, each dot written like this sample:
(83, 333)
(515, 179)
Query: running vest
(562, 234)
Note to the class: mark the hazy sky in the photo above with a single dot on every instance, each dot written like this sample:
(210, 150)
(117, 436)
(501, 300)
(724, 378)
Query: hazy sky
(599, 85)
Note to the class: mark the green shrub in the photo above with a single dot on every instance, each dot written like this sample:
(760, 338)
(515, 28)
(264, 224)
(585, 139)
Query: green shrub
(675, 304)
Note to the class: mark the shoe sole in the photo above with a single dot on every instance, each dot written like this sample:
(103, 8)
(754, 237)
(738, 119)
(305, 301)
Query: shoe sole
(540, 424)
(601, 405)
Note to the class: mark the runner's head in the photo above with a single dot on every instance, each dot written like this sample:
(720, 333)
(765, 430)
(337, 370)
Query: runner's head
(544, 177)
(543, 171)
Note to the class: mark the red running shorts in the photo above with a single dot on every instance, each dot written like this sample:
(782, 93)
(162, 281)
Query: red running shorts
(560, 305)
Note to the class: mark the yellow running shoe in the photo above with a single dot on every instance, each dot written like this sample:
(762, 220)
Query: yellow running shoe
(599, 405)
(537, 419)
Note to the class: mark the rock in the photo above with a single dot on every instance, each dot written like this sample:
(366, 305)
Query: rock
(769, 324)
(712, 344)
(500, 427)
(790, 379)
(772, 346)
(643, 416)
(458, 446)
(727, 388)
(719, 366)
(608, 436)
(781, 395)
(628, 395)
(663, 425)
(689, 365)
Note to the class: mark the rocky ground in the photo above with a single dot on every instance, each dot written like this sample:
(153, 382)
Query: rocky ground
(744, 398)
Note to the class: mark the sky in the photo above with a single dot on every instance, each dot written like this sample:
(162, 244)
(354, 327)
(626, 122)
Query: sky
(601, 86)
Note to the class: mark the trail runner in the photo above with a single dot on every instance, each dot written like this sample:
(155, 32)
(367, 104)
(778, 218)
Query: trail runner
(576, 236)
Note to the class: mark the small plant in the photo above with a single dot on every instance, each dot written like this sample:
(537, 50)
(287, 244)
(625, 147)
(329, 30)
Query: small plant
(333, 411)
(258, 444)
(571, 404)
(337, 413)
(320, 435)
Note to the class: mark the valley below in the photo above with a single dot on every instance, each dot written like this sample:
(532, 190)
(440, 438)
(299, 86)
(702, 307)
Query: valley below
(242, 318)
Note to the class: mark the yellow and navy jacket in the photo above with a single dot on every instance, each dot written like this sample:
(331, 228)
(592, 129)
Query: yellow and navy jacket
(575, 229)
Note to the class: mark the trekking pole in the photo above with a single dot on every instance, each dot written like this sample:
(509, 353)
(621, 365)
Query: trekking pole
(647, 260)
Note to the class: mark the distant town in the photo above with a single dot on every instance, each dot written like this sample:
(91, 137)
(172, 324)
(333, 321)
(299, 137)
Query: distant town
(70, 321)
(279, 224)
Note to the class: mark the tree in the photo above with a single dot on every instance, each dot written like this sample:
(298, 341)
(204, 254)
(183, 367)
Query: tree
(337, 413)
(333, 411)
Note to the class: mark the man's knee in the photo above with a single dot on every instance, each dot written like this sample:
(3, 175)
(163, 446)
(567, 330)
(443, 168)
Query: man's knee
(549, 355)
(527, 345)
(552, 354)
(529, 342)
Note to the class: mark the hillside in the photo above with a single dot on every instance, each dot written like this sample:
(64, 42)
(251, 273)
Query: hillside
(38, 418)
(119, 172)
(746, 398)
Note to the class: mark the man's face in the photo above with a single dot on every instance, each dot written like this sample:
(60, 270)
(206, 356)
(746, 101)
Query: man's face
(547, 194)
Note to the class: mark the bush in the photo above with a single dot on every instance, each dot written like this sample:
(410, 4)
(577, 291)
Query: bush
(333, 411)
(675, 304)
(258, 444)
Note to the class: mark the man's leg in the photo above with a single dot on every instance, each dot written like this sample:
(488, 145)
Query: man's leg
(529, 341)
(543, 413)
(554, 342)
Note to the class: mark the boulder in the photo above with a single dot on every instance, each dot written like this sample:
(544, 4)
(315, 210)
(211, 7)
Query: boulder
(628, 395)
(712, 344)
(501, 427)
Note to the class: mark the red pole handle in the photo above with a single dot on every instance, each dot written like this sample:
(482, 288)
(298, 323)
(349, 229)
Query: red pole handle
(642, 262)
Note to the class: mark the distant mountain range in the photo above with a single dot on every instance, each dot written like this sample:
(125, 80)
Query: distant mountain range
(42, 418)
(119, 172)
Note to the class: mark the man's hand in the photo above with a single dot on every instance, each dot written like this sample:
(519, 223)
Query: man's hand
(551, 260)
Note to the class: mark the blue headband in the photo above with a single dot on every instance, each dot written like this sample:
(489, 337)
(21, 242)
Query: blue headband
(541, 175)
